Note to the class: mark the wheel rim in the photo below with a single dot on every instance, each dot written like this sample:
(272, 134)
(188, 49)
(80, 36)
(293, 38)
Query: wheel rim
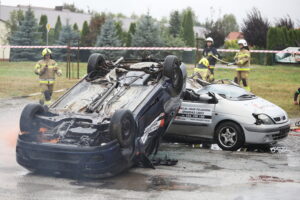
(125, 129)
(228, 137)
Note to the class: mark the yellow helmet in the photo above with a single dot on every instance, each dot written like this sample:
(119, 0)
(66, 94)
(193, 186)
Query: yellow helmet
(46, 51)
(204, 62)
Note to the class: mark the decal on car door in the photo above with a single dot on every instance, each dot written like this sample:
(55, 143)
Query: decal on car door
(195, 113)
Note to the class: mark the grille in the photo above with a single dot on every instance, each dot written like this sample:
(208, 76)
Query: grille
(282, 134)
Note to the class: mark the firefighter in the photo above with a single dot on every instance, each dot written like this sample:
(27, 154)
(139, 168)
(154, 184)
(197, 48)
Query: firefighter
(202, 70)
(46, 69)
(296, 97)
(242, 60)
(210, 53)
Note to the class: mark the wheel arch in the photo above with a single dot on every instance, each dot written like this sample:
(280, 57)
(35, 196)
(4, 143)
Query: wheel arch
(223, 121)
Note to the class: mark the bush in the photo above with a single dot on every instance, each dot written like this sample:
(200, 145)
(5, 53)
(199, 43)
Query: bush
(230, 44)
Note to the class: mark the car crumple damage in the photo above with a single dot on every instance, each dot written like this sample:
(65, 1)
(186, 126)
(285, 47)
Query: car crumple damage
(109, 121)
(226, 114)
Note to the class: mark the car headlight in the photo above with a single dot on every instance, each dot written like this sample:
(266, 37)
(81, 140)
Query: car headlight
(263, 119)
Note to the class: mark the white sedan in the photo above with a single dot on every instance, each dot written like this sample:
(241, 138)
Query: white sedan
(229, 116)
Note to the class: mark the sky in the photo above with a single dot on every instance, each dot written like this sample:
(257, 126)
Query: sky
(271, 9)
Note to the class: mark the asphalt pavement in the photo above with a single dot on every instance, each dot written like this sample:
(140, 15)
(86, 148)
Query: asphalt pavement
(199, 174)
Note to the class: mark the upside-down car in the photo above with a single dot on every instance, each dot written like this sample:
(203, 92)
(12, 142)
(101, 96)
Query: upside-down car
(109, 121)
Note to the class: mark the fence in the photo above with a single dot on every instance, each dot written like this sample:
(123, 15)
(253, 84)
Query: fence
(187, 54)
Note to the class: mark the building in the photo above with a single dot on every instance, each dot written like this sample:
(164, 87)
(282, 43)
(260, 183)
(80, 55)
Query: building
(66, 16)
(235, 36)
(4, 52)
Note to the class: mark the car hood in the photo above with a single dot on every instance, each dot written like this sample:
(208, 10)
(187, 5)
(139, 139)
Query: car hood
(260, 105)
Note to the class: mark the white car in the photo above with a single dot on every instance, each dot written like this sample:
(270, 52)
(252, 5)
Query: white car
(228, 115)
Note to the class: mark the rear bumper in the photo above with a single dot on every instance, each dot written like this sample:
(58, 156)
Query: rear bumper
(265, 134)
(97, 162)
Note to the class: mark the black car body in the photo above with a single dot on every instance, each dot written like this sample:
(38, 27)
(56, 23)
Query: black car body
(109, 121)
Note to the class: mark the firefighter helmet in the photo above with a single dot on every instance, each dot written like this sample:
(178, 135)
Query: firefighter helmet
(209, 39)
(243, 42)
(46, 51)
(204, 62)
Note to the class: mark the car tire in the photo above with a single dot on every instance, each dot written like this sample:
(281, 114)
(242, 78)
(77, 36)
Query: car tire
(123, 127)
(27, 122)
(95, 60)
(173, 72)
(229, 136)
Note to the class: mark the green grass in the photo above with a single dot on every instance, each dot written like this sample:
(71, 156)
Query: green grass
(274, 83)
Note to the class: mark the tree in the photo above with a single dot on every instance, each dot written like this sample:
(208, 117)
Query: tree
(75, 27)
(121, 35)
(187, 31)
(96, 22)
(175, 24)
(285, 22)
(15, 18)
(84, 34)
(255, 28)
(67, 36)
(26, 34)
(57, 28)
(147, 33)
(229, 24)
(130, 33)
(108, 38)
(43, 27)
(216, 31)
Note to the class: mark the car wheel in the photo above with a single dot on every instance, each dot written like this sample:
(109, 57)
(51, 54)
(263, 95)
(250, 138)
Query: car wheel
(95, 60)
(172, 70)
(27, 120)
(229, 136)
(123, 128)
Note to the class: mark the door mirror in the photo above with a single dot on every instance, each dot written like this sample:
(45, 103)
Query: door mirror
(209, 98)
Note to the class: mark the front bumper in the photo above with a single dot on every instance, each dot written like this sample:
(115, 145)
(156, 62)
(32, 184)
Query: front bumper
(266, 134)
(97, 162)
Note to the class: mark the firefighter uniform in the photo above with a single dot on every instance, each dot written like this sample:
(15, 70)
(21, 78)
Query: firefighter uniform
(47, 69)
(211, 53)
(296, 97)
(242, 60)
(202, 69)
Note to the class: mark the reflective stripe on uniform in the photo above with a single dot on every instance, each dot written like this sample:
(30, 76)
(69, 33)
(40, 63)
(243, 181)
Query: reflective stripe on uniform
(47, 81)
(211, 67)
(200, 70)
(242, 69)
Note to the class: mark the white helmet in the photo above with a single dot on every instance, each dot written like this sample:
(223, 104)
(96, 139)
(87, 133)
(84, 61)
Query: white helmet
(209, 39)
(243, 42)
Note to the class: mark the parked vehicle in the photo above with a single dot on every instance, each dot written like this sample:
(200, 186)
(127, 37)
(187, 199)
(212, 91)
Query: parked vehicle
(109, 121)
(228, 115)
(289, 55)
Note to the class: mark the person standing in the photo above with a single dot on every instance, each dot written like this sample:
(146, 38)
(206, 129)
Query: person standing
(242, 60)
(47, 69)
(211, 54)
(296, 97)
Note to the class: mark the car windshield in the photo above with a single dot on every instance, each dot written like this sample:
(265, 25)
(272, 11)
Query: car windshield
(230, 92)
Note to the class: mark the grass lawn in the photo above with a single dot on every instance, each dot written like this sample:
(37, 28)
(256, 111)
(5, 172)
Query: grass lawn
(274, 83)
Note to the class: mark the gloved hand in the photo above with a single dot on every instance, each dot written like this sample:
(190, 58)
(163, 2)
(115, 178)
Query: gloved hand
(44, 69)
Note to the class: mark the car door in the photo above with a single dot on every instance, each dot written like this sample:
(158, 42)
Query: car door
(195, 119)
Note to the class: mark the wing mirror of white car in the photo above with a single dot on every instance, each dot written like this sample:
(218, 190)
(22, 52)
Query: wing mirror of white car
(209, 98)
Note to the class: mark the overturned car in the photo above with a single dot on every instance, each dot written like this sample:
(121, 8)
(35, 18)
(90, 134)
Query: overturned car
(109, 121)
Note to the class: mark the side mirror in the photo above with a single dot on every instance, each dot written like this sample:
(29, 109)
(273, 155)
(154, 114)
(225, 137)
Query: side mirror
(213, 99)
